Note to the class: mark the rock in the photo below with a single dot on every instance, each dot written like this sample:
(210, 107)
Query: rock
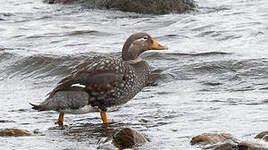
(212, 138)
(263, 135)
(138, 6)
(250, 146)
(224, 141)
(50, 1)
(127, 138)
(245, 145)
(225, 146)
(14, 132)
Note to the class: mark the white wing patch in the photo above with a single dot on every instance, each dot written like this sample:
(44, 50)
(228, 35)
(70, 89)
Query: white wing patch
(78, 85)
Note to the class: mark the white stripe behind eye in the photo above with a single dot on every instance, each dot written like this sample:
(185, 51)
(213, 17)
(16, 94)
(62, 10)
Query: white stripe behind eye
(143, 38)
(78, 85)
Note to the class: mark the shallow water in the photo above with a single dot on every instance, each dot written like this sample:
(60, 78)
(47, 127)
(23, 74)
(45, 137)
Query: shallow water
(213, 78)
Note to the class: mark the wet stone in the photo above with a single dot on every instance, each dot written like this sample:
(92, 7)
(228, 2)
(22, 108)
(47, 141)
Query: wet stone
(225, 146)
(127, 138)
(14, 132)
(212, 138)
(224, 141)
(250, 146)
(244, 145)
(263, 135)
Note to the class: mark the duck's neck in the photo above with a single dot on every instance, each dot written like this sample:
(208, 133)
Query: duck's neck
(131, 52)
(142, 72)
(135, 61)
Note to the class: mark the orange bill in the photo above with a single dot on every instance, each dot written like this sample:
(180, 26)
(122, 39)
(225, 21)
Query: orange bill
(158, 46)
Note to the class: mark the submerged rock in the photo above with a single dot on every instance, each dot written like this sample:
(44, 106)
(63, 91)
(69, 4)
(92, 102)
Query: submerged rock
(212, 138)
(127, 138)
(263, 135)
(14, 132)
(138, 6)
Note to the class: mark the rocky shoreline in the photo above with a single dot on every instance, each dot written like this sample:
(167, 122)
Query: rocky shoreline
(129, 138)
(137, 6)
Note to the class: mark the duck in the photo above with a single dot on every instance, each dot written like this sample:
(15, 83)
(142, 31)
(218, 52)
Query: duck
(102, 82)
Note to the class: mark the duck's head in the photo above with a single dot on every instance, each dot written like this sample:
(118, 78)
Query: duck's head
(138, 43)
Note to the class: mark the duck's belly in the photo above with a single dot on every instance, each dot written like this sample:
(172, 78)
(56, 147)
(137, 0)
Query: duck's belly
(88, 109)
(74, 102)
(81, 110)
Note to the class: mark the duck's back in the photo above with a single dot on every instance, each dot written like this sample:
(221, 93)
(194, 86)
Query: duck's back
(98, 81)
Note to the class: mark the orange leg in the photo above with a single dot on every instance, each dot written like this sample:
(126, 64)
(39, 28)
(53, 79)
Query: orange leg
(104, 117)
(60, 119)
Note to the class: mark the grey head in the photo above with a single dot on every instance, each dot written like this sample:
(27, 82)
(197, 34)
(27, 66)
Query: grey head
(138, 43)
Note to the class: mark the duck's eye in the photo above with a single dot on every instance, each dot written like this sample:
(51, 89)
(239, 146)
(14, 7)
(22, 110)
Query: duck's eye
(145, 37)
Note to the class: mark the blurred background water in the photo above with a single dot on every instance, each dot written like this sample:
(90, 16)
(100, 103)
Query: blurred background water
(213, 78)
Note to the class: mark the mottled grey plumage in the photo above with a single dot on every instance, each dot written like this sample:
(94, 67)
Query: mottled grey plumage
(108, 82)
(104, 82)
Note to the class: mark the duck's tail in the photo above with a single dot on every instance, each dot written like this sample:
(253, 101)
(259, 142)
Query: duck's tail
(37, 107)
